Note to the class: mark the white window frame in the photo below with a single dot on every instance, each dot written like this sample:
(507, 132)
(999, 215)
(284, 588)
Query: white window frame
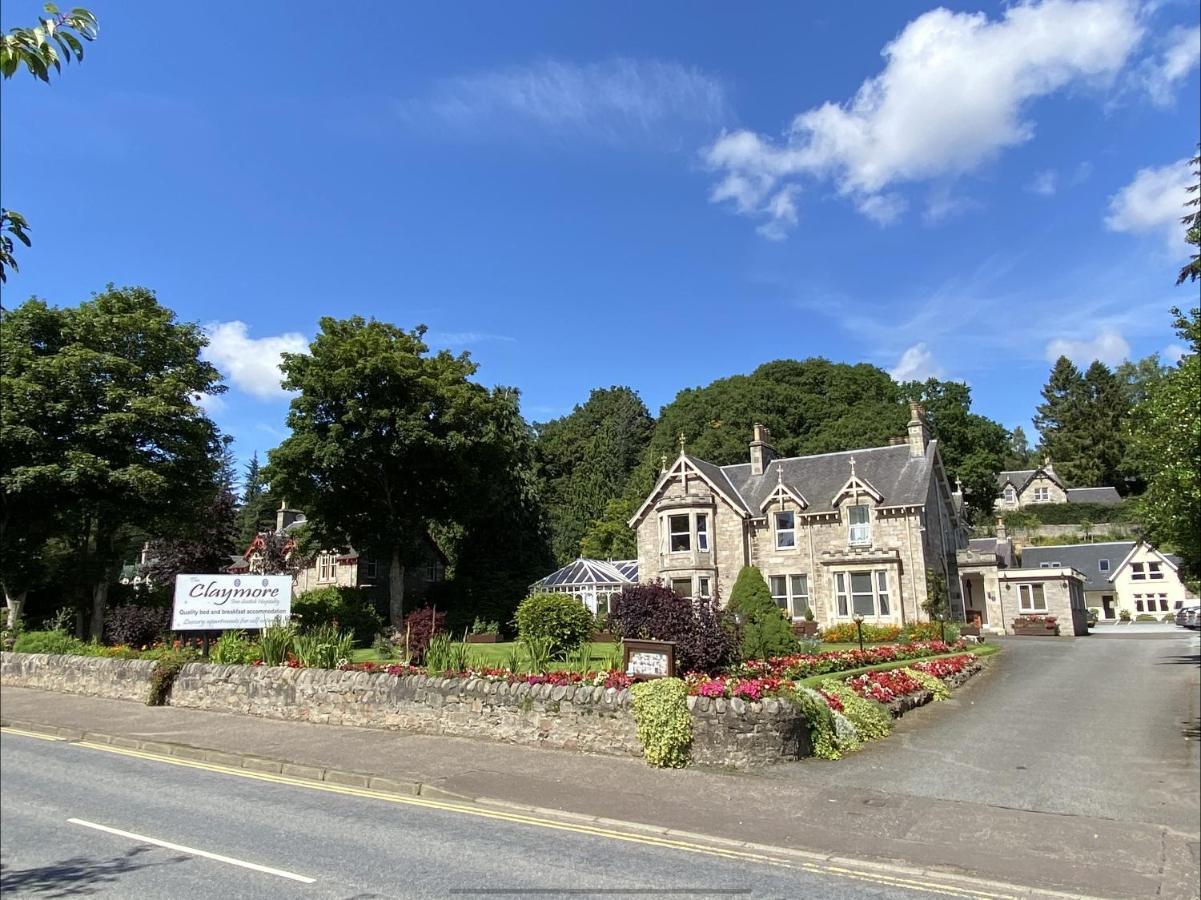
(1137, 572)
(798, 594)
(881, 594)
(687, 581)
(702, 532)
(703, 589)
(1155, 571)
(1027, 596)
(672, 534)
(1042, 495)
(859, 533)
(790, 516)
(774, 583)
(1011, 495)
(326, 567)
(1102, 565)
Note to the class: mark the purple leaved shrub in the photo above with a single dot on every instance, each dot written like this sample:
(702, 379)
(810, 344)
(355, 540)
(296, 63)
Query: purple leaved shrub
(705, 640)
(136, 626)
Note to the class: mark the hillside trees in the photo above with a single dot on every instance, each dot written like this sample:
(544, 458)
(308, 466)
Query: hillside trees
(584, 460)
(1082, 423)
(99, 424)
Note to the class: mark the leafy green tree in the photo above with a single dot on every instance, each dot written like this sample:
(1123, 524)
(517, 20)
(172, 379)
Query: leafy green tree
(1166, 433)
(764, 630)
(100, 420)
(386, 439)
(1137, 378)
(1061, 420)
(973, 448)
(609, 537)
(937, 602)
(1019, 455)
(1191, 270)
(201, 546)
(38, 50)
(585, 460)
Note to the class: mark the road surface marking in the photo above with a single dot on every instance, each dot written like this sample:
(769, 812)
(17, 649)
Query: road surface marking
(32, 734)
(192, 851)
(947, 889)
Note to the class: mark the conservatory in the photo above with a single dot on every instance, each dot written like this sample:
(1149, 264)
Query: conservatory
(595, 582)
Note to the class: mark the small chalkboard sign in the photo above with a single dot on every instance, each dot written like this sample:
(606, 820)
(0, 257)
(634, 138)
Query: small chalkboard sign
(649, 659)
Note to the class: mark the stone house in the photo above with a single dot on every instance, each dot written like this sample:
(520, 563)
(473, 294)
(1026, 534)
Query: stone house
(1021, 488)
(1120, 575)
(838, 533)
(343, 566)
(997, 589)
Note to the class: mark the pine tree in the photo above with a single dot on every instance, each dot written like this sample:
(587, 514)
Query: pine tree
(1019, 455)
(765, 632)
(1108, 409)
(1060, 421)
(256, 512)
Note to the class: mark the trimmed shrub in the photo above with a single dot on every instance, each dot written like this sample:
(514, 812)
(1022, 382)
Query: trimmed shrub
(233, 649)
(706, 640)
(420, 625)
(560, 619)
(136, 626)
(48, 642)
(664, 723)
(847, 633)
(346, 609)
(764, 630)
(1145, 617)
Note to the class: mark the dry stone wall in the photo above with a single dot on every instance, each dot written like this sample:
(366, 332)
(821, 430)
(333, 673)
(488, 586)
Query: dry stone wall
(116, 679)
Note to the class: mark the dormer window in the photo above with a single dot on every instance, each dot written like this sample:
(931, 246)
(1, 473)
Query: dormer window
(1010, 494)
(1102, 565)
(679, 534)
(860, 524)
(785, 530)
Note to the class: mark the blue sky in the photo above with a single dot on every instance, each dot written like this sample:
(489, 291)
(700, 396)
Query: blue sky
(657, 195)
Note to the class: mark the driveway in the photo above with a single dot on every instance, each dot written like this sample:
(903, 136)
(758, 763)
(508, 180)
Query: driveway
(1085, 726)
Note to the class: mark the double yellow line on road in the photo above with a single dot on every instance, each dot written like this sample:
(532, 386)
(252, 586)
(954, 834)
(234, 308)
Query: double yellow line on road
(767, 856)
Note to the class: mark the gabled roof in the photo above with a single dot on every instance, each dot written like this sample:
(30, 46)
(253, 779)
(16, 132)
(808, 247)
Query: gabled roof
(1085, 558)
(592, 573)
(1172, 561)
(1019, 478)
(714, 476)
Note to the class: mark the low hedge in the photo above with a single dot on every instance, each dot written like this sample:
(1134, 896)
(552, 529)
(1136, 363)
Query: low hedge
(1070, 514)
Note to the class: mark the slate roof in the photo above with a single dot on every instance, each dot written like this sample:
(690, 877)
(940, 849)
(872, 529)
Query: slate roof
(901, 479)
(1018, 477)
(1106, 495)
(1002, 549)
(588, 572)
(1082, 557)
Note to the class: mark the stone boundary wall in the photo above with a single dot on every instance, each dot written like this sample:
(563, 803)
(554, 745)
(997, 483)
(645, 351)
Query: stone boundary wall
(726, 732)
(116, 679)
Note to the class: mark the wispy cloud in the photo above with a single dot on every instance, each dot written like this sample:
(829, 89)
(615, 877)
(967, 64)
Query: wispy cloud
(955, 91)
(616, 100)
(1153, 203)
(1164, 73)
(465, 338)
(1107, 345)
(916, 364)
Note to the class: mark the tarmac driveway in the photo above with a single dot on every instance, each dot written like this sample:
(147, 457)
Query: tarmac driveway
(1104, 727)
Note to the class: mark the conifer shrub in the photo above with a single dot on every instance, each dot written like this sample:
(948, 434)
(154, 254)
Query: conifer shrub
(764, 630)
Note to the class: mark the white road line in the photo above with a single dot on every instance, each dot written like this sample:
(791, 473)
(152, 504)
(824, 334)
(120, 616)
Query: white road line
(141, 838)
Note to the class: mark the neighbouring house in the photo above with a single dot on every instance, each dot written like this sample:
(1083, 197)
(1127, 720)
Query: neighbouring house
(1119, 575)
(842, 534)
(594, 582)
(1032, 487)
(134, 573)
(997, 590)
(342, 566)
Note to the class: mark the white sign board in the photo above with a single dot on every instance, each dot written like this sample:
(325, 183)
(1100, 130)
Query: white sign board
(647, 664)
(230, 602)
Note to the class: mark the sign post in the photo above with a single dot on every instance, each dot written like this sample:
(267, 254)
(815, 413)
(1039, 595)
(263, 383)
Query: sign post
(649, 659)
(230, 602)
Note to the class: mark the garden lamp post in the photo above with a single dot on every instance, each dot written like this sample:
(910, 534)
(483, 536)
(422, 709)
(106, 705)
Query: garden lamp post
(858, 620)
(942, 627)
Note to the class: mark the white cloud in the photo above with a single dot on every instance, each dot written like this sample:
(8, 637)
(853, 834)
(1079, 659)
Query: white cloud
(916, 364)
(465, 338)
(1045, 184)
(953, 93)
(1163, 74)
(613, 100)
(1173, 353)
(251, 364)
(1153, 202)
(210, 403)
(1108, 346)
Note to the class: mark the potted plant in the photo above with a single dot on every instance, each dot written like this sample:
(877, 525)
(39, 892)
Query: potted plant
(1036, 626)
(807, 627)
(1124, 617)
(483, 632)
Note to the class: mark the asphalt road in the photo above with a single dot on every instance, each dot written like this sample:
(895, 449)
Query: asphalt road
(318, 844)
(1100, 726)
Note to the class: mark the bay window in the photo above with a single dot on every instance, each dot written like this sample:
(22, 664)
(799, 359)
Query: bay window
(682, 586)
(702, 532)
(679, 534)
(785, 530)
(702, 588)
(860, 524)
(862, 594)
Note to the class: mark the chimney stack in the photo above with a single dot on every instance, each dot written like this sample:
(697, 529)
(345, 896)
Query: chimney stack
(1002, 535)
(919, 432)
(285, 517)
(762, 453)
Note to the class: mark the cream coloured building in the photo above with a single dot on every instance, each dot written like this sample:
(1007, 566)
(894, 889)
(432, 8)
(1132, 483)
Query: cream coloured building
(1020, 488)
(838, 533)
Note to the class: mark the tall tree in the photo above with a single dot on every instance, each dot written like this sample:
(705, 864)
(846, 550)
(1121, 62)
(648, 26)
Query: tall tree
(1191, 270)
(973, 448)
(200, 547)
(1166, 432)
(1062, 425)
(1107, 410)
(1137, 378)
(99, 409)
(386, 438)
(1019, 455)
(257, 512)
(585, 460)
(38, 50)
